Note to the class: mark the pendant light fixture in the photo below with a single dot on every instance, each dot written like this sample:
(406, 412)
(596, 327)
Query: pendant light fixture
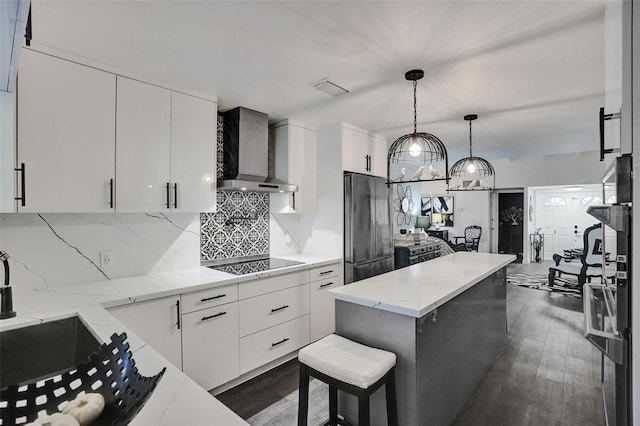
(472, 173)
(417, 150)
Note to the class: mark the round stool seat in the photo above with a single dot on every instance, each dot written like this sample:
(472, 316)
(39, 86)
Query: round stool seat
(347, 361)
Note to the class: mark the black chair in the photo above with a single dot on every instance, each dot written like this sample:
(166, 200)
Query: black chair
(471, 237)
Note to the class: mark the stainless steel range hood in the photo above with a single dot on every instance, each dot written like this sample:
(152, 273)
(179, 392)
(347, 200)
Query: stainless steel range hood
(246, 151)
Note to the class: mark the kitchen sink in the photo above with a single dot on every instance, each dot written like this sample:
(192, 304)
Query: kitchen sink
(40, 351)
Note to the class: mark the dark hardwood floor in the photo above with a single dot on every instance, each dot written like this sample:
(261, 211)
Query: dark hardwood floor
(547, 373)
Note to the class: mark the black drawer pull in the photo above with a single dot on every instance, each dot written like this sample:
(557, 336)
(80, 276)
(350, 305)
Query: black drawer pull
(213, 297)
(280, 342)
(280, 308)
(326, 285)
(326, 272)
(23, 199)
(219, 314)
(168, 188)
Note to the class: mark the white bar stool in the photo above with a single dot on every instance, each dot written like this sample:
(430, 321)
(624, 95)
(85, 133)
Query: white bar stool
(350, 367)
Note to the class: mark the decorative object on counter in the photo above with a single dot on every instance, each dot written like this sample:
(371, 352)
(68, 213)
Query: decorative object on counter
(55, 419)
(6, 296)
(111, 371)
(85, 408)
(472, 173)
(403, 205)
(537, 246)
(417, 149)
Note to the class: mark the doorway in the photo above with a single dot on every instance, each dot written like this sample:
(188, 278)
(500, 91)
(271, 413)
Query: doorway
(561, 216)
(511, 223)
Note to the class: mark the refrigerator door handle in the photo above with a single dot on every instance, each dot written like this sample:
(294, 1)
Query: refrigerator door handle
(611, 344)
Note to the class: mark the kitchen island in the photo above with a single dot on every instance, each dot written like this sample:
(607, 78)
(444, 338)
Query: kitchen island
(445, 320)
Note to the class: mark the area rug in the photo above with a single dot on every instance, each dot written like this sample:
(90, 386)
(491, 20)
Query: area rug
(565, 285)
(285, 411)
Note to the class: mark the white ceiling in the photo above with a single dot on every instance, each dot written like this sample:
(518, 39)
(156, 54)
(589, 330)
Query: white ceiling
(532, 70)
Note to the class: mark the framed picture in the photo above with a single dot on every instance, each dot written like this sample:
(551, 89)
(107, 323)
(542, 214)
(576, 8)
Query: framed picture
(443, 210)
(425, 206)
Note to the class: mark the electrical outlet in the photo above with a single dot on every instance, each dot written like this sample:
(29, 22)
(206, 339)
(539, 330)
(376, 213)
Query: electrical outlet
(106, 259)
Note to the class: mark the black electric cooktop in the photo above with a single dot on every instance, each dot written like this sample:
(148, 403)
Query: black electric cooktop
(256, 265)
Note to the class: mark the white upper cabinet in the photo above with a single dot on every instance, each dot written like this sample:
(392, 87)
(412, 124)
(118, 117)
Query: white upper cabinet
(193, 153)
(362, 151)
(66, 135)
(143, 147)
(295, 148)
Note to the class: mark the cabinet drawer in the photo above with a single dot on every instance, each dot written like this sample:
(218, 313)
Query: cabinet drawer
(272, 343)
(258, 313)
(208, 298)
(271, 284)
(323, 272)
(322, 308)
(210, 345)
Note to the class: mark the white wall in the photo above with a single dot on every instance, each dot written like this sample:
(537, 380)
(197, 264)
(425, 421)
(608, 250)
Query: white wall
(50, 250)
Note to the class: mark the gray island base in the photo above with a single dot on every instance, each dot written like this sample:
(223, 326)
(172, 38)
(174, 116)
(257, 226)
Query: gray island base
(441, 356)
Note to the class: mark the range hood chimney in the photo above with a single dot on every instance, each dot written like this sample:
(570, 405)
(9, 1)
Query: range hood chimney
(246, 151)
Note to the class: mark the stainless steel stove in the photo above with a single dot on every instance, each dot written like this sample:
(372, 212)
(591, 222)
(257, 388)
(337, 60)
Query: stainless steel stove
(254, 265)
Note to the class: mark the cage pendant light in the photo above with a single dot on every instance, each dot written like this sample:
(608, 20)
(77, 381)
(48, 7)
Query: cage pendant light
(418, 149)
(472, 173)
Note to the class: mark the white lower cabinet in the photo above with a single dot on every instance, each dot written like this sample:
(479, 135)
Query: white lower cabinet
(267, 345)
(258, 313)
(210, 345)
(157, 322)
(322, 321)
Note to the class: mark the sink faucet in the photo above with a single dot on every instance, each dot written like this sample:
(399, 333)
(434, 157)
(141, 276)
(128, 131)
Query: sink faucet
(6, 298)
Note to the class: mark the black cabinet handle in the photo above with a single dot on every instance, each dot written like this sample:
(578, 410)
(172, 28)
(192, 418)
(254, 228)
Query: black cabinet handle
(280, 308)
(168, 187)
(326, 272)
(604, 117)
(286, 339)
(326, 285)
(293, 200)
(22, 198)
(219, 314)
(111, 193)
(212, 298)
(178, 311)
(175, 195)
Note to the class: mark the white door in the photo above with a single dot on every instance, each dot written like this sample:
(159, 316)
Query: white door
(193, 153)
(66, 135)
(155, 322)
(143, 119)
(563, 219)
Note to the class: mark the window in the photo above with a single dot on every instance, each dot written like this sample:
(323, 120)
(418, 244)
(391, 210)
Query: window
(591, 199)
(555, 202)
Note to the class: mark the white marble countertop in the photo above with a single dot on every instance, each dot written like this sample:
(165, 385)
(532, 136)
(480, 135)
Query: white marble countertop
(419, 289)
(177, 400)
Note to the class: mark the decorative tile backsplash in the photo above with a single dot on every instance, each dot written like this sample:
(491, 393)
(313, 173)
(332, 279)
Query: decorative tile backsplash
(240, 226)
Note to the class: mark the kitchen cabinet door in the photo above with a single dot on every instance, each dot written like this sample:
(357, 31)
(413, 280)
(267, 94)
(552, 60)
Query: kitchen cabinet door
(193, 153)
(295, 162)
(378, 151)
(322, 310)
(65, 135)
(211, 345)
(157, 323)
(355, 150)
(143, 120)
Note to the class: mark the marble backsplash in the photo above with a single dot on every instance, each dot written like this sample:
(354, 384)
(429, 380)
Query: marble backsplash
(54, 249)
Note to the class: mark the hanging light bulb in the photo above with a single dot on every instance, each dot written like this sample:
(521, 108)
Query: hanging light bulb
(415, 149)
(471, 168)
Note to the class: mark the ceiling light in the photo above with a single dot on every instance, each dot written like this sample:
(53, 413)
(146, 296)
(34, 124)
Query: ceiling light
(417, 148)
(329, 87)
(573, 188)
(471, 171)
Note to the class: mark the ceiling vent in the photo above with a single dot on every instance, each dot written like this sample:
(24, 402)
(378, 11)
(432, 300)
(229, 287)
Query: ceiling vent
(329, 87)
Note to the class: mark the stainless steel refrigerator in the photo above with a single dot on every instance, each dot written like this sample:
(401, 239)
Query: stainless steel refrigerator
(368, 239)
(607, 305)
